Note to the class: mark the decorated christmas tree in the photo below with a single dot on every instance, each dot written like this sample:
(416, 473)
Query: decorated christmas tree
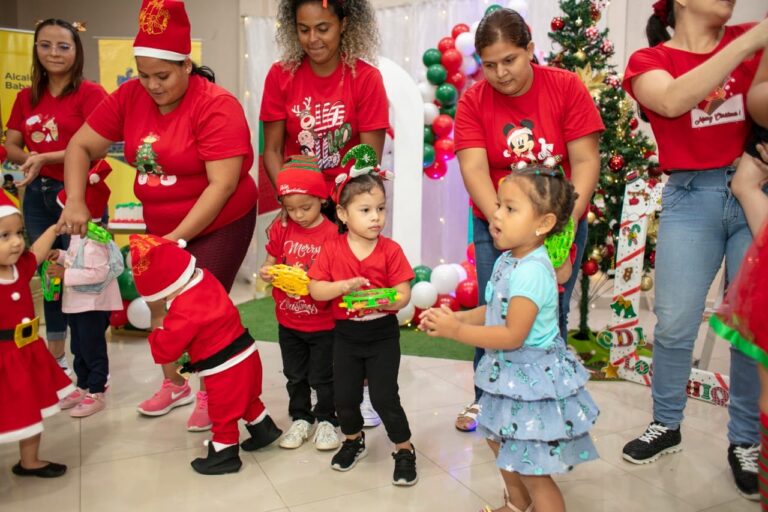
(580, 46)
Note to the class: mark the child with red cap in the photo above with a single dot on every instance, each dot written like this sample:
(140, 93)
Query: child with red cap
(305, 326)
(31, 382)
(202, 321)
(88, 270)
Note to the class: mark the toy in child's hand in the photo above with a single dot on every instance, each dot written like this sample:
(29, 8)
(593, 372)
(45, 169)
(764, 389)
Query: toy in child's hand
(98, 233)
(369, 299)
(559, 246)
(51, 285)
(290, 279)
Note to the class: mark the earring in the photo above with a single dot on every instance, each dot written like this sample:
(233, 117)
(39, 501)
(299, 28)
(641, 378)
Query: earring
(537, 232)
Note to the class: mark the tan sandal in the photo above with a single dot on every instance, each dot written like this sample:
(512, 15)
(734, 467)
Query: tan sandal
(509, 505)
(466, 421)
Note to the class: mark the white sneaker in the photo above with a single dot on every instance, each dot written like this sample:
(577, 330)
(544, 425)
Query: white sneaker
(64, 365)
(325, 437)
(296, 435)
(370, 416)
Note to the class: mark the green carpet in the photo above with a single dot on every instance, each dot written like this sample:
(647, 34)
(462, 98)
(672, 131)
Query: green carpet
(259, 317)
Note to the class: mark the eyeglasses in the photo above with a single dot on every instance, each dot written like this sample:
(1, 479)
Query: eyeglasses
(45, 46)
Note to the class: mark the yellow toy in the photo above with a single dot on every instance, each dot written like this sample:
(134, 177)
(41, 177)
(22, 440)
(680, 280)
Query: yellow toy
(292, 280)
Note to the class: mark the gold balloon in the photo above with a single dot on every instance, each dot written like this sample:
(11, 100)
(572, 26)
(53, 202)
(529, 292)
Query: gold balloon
(646, 283)
(591, 217)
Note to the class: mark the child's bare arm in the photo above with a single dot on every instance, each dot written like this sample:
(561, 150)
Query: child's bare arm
(42, 246)
(328, 290)
(757, 98)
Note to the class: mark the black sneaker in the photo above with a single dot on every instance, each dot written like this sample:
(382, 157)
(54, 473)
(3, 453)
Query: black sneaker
(657, 440)
(351, 451)
(405, 467)
(743, 461)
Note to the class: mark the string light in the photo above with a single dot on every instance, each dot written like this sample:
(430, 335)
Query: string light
(246, 55)
(406, 17)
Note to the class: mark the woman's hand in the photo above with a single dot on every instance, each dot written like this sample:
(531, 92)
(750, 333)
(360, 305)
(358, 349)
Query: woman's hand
(31, 168)
(55, 270)
(762, 162)
(74, 219)
(440, 322)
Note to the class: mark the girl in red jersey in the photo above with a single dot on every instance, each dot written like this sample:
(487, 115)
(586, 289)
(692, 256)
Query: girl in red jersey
(43, 120)
(522, 113)
(367, 344)
(305, 326)
(691, 86)
(31, 383)
(190, 144)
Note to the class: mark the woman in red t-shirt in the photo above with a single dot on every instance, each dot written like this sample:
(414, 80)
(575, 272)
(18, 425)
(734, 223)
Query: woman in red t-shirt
(521, 113)
(190, 143)
(322, 97)
(692, 86)
(43, 120)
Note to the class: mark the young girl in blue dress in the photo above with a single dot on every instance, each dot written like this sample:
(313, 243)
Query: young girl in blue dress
(535, 411)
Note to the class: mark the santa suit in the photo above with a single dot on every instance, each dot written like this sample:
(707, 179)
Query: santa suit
(202, 321)
(31, 383)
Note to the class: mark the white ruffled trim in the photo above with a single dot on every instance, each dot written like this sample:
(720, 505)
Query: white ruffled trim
(22, 433)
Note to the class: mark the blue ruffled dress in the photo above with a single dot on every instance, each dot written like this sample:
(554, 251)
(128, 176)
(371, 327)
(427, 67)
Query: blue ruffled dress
(534, 402)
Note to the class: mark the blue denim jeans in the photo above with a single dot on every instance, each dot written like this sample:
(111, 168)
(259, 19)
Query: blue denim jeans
(700, 224)
(485, 257)
(40, 212)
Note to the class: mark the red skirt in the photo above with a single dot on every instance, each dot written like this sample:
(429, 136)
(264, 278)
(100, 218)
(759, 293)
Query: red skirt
(31, 385)
(743, 317)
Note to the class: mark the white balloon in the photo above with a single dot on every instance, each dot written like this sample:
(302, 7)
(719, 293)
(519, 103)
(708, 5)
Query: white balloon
(427, 91)
(521, 6)
(469, 66)
(473, 29)
(423, 295)
(405, 315)
(465, 43)
(430, 113)
(138, 314)
(128, 261)
(461, 270)
(445, 278)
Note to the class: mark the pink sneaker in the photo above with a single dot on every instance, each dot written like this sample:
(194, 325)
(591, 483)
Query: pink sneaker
(72, 399)
(91, 404)
(169, 396)
(199, 421)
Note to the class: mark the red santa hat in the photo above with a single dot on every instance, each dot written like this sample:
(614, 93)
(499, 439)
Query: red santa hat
(9, 205)
(96, 190)
(164, 31)
(301, 175)
(160, 266)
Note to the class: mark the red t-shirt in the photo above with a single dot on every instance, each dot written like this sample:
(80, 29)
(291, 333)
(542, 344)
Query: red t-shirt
(385, 267)
(169, 150)
(712, 134)
(554, 111)
(299, 247)
(325, 115)
(49, 125)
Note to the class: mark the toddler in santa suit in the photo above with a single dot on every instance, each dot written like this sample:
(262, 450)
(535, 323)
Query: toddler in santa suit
(202, 321)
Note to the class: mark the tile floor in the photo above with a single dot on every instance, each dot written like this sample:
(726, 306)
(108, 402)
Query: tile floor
(119, 460)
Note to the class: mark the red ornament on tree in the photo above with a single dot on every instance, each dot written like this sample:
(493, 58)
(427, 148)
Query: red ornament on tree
(590, 267)
(652, 259)
(633, 123)
(616, 163)
(557, 24)
(613, 81)
(594, 12)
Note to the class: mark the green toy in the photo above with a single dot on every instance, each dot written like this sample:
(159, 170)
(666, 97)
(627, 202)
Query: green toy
(559, 246)
(98, 233)
(51, 286)
(369, 299)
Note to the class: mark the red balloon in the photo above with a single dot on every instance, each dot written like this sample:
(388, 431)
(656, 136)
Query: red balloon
(445, 43)
(415, 320)
(119, 318)
(447, 300)
(452, 60)
(457, 79)
(437, 170)
(459, 29)
(442, 125)
(471, 253)
(470, 268)
(466, 293)
(444, 149)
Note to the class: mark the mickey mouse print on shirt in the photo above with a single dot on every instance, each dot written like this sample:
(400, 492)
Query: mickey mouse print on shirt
(719, 107)
(522, 146)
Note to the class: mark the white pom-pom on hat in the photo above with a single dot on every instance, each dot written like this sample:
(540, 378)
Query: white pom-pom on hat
(182, 243)
(94, 178)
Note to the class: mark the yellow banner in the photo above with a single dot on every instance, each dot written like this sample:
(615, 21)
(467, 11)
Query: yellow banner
(15, 66)
(116, 62)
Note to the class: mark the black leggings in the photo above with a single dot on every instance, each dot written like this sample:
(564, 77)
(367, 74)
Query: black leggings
(371, 350)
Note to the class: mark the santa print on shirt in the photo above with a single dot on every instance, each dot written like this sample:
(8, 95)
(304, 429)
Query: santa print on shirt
(299, 247)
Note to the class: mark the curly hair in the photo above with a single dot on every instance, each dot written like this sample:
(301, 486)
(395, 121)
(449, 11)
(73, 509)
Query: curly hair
(360, 39)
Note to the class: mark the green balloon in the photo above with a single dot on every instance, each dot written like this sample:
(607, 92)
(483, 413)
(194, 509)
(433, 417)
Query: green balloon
(436, 74)
(451, 111)
(431, 57)
(127, 286)
(429, 135)
(429, 154)
(422, 272)
(125, 251)
(492, 8)
(447, 94)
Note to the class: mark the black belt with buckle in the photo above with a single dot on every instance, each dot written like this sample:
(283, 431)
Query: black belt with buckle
(241, 343)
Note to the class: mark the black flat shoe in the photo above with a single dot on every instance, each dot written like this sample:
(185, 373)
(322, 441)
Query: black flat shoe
(50, 470)
(218, 463)
(263, 434)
